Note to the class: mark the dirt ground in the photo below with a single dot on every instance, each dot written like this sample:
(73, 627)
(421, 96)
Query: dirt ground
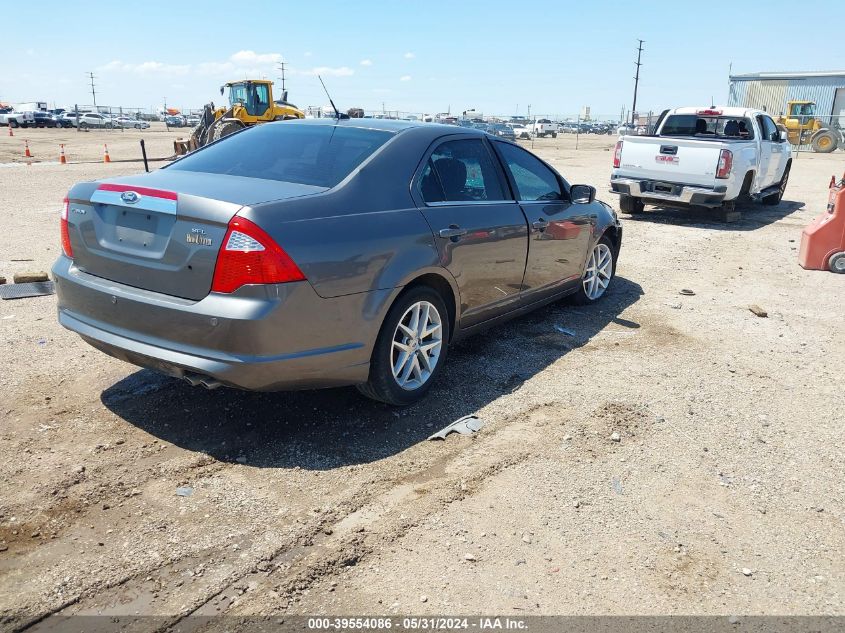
(723, 494)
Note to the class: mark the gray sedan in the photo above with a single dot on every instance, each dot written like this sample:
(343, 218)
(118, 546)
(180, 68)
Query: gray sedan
(321, 253)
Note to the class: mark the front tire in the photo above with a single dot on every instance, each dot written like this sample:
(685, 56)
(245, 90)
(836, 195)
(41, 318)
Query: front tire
(824, 143)
(410, 349)
(598, 273)
(836, 263)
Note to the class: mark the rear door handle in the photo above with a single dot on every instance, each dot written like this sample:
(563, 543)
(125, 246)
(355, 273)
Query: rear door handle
(452, 232)
(540, 224)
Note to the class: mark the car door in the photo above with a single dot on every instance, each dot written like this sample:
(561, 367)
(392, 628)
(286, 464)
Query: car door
(559, 231)
(781, 151)
(481, 233)
(767, 160)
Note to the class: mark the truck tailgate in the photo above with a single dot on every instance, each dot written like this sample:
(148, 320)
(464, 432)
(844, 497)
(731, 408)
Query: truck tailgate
(673, 160)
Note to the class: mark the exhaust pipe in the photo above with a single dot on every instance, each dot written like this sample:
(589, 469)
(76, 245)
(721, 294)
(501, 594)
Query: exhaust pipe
(206, 381)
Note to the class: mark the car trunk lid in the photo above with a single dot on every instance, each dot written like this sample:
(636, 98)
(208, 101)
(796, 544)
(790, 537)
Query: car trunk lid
(162, 231)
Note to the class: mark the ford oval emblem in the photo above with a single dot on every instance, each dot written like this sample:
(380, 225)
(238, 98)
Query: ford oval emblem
(130, 197)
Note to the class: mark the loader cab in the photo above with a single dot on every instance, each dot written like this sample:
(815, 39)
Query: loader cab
(254, 96)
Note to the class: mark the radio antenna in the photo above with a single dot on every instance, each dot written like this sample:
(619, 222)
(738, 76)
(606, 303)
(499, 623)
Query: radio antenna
(334, 107)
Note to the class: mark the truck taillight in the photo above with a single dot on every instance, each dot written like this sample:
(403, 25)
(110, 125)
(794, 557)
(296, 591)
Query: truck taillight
(726, 163)
(617, 155)
(248, 255)
(66, 248)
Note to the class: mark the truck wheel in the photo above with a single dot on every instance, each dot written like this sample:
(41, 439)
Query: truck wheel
(554, 134)
(836, 263)
(775, 198)
(631, 205)
(13, 123)
(824, 142)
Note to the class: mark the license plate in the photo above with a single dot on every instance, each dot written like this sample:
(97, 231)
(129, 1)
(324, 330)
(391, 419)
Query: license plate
(666, 160)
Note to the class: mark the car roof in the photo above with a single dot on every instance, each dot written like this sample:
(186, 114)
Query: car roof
(388, 125)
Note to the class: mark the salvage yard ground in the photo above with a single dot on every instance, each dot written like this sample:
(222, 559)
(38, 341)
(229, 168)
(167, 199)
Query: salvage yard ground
(723, 493)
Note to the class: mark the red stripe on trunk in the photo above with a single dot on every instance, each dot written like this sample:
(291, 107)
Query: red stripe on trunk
(141, 191)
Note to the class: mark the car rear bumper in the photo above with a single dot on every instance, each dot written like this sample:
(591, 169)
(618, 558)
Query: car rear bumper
(675, 193)
(262, 338)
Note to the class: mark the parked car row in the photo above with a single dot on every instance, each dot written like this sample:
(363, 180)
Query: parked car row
(66, 119)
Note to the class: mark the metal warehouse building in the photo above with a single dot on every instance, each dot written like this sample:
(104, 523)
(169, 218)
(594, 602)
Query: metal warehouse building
(771, 91)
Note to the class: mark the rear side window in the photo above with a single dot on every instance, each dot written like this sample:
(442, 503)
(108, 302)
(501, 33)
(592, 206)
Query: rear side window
(319, 155)
(460, 171)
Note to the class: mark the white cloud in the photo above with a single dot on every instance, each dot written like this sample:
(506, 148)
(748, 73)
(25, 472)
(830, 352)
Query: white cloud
(215, 68)
(366, 62)
(328, 71)
(409, 55)
(146, 68)
(405, 78)
(251, 57)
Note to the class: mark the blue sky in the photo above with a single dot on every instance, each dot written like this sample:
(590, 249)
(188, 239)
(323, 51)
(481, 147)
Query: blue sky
(497, 57)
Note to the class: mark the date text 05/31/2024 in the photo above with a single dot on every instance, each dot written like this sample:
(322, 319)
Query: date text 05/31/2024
(416, 623)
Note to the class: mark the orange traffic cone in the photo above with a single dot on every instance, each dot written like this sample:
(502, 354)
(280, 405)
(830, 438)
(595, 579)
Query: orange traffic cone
(62, 159)
(26, 152)
(106, 158)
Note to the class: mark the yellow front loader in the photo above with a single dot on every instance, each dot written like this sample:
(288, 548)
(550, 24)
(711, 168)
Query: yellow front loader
(250, 102)
(803, 128)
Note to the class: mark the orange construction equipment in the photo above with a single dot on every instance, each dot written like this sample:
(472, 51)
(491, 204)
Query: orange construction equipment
(106, 158)
(823, 241)
(62, 159)
(26, 152)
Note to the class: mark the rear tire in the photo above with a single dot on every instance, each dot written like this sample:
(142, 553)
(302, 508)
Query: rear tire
(13, 124)
(387, 385)
(631, 205)
(775, 198)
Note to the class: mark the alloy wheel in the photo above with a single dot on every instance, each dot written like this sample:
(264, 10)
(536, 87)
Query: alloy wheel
(417, 342)
(599, 271)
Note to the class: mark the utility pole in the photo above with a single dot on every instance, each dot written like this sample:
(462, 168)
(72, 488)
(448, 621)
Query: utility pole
(637, 79)
(93, 91)
(281, 66)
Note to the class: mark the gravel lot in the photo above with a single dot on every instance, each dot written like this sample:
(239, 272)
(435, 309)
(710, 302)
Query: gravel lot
(723, 493)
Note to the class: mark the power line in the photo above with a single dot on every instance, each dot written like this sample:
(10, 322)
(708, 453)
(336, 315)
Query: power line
(637, 79)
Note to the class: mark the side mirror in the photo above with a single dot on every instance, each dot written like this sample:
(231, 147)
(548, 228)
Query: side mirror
(782, 136)
(582, 194)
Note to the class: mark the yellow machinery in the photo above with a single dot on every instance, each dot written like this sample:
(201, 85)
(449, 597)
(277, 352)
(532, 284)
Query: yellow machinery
(250, 102)
(803, 128)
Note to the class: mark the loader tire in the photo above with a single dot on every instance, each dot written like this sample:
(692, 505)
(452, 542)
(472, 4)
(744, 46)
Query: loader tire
(223, 129)
(824, 142)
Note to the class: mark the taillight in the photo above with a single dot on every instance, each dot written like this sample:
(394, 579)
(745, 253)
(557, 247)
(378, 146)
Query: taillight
(617, 155)
(726, 163)
(66, 248)
(249, 256)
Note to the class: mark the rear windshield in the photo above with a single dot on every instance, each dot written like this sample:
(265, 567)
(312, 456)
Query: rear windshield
(707, 126)
(319, 155)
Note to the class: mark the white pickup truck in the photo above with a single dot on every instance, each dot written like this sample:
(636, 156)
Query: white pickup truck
(18, 119)
(711, 157)
(545, 127)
